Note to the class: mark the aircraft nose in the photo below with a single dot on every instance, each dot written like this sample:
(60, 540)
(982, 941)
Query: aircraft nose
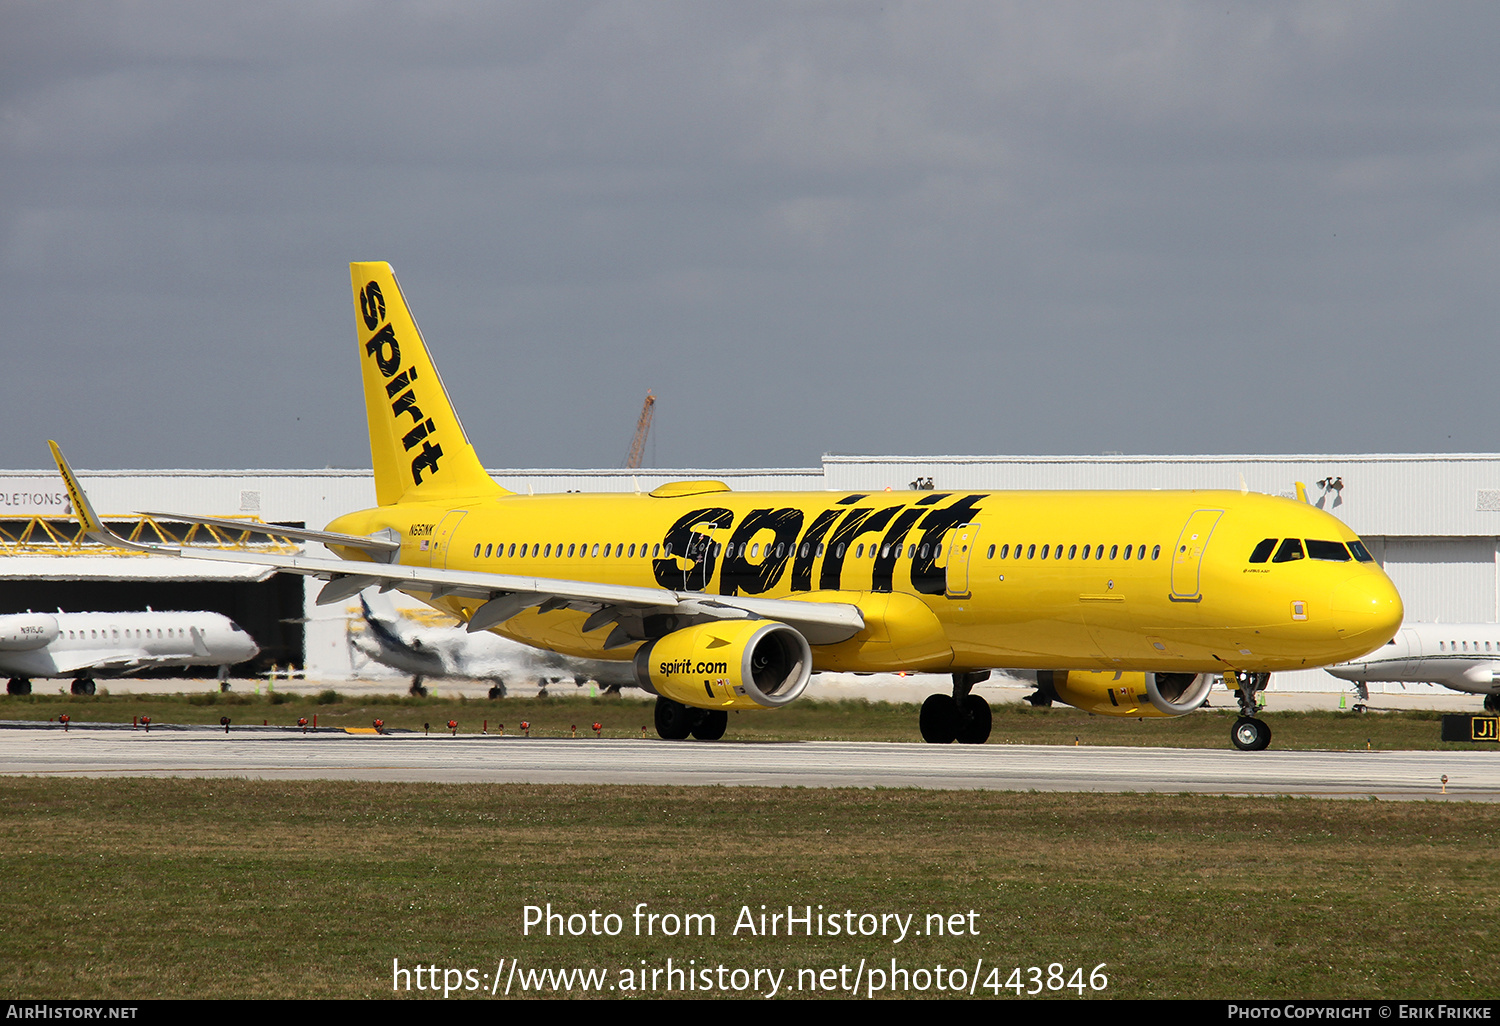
(1368, 607)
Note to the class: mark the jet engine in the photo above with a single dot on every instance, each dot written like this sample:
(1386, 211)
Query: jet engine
(21, 632)
(727, 664)
(1131, 694)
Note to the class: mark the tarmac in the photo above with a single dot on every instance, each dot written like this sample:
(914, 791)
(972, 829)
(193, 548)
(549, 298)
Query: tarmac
(879, 687)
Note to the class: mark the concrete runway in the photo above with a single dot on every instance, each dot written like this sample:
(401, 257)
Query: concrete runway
(274, 755)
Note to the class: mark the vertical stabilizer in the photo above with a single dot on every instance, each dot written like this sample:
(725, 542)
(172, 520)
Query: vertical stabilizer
(417, 445)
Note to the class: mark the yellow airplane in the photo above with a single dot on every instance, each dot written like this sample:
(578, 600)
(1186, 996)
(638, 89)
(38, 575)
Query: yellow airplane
(1127, 603)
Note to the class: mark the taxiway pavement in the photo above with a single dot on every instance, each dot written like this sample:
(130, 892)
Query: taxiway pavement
(1472, 776)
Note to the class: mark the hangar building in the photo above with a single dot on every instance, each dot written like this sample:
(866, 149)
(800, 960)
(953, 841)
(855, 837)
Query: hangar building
(1433, 521)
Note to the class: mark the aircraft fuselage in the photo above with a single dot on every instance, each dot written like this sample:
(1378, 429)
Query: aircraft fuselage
(1151, 581)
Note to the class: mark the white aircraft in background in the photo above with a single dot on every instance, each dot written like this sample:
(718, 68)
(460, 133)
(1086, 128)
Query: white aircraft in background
(88, 645)
(397, 641)
(1461, 656)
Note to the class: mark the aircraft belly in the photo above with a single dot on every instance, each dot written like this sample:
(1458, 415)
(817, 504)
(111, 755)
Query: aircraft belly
(36, 663)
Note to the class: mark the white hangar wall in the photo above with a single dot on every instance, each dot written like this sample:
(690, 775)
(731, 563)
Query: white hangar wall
(1432, 520)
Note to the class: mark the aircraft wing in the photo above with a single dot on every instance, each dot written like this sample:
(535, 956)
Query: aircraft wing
(506, 595)
(106, 662)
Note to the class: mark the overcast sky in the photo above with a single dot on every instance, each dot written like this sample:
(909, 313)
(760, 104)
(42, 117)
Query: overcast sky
(927, 228)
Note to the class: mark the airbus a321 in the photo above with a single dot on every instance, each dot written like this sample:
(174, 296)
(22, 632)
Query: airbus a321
(1134, 602)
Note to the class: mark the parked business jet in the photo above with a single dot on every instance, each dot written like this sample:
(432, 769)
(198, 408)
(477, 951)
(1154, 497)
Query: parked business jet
(88, 645)
(395, 641)
(1134, 601)
(1461, 656)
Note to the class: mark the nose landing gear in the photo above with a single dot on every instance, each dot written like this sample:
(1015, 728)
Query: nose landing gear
(1249, 734)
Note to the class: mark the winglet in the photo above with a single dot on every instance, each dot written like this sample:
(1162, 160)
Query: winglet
(93, 527)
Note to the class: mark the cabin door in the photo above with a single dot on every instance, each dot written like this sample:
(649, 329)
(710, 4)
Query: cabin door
(442, 537)
(1187, 557)
(960, 548)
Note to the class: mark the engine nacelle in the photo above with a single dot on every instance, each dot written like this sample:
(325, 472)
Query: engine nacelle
(21, 632)
(1131, 694)
(727, 664)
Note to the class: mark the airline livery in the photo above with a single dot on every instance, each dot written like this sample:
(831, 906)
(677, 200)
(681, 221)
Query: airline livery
(1132, 603)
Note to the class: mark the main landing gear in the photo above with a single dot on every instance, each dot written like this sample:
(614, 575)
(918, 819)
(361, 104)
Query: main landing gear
(497, 689)
(1492, 703)
(417, 689)
(961, 717)
(1248, 733)
(83, 686)
(675, 721)
(18, 686)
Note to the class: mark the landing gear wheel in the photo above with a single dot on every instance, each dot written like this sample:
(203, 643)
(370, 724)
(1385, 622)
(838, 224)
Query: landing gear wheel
(497, 690)
(674, 721)
(1250, 734)
(417, 690)
(1492, 703)
(712, 726)
(83, 686)
(18, 686)
(939, 720)
(974, 721)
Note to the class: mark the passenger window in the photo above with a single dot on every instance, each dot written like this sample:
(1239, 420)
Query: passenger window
(655, 549)
(1085, 552)
(1263, 551)
(1114, 550)
(1140, 553)
(1005, 552)
(1031, 552)
(595, 550)
(572, 549)
(631, 553)
(1046, 549)
(911, 551)
(859, 551)
(1072, 551)
(1155, 551)
(547, 552)
(991, 554)
(1290, 550)
(1057, 552)
(487, 552)
(476, 550)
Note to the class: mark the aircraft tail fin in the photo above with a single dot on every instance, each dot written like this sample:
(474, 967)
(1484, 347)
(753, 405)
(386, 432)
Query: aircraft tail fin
(417, 445)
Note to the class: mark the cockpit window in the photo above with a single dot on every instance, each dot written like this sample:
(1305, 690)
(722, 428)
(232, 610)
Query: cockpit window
(1330, 551)
(1360, 552)
(1290, 549)
(1263, 551)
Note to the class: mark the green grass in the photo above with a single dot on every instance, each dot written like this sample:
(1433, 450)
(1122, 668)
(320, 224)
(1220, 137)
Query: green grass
(625, 716)
(224, 888)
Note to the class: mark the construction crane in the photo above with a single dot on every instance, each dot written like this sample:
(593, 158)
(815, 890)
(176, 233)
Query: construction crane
(642, 429)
